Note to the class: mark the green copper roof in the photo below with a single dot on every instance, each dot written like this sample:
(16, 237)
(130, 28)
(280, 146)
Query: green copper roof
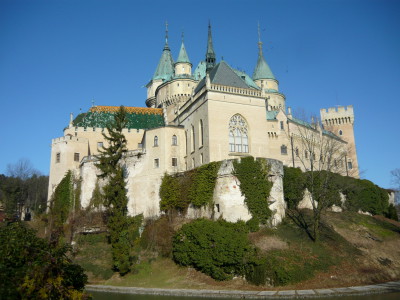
(165, 68)
(271, 114)
(262, 70)
(183, 57)
(200, 71)
(136, 120)
(247, 79)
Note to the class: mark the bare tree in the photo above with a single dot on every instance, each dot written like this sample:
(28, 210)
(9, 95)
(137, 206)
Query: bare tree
(22, 169)
(320, 154)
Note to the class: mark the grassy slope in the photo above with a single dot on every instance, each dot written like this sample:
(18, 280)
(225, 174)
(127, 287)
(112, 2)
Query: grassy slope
(354, 250)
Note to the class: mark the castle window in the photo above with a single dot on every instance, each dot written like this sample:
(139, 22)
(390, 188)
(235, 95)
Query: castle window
(174, 162)
(238, 134)
(297, 151)
(99, 145)
(76, 157)
(349, 165)
(174, 140)
(340, 132)
(156, 141)
(156, 163)
(137, 130)
(283, 150)
(193, 139)
(201, 137)
(313, 156)
(282, 126)
(201, 159)
(305, 153)
(58, 157)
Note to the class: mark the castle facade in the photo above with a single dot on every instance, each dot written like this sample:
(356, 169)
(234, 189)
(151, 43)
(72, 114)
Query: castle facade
(196, 116)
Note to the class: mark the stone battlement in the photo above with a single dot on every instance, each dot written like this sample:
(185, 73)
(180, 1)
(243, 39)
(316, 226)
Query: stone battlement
(68, 138)
(337, 115)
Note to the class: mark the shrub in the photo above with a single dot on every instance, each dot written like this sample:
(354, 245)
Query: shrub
(219, 249)
(157, 236)
(31, 268)
(294, 184)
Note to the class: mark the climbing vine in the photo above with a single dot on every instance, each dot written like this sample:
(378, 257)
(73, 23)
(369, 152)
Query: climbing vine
(255, 186)
(202, 188)
(194, 187)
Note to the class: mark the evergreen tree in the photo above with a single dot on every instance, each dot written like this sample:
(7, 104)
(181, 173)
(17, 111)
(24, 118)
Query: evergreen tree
(115, 198)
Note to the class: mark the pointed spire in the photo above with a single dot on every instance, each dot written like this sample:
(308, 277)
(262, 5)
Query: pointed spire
(166, 47)
(165, 68)
(262, 70)
(210, 54)
(183, 57)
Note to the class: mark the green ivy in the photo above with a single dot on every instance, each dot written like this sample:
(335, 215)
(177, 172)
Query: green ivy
(192, 187)
(202, 188)
(255, 186)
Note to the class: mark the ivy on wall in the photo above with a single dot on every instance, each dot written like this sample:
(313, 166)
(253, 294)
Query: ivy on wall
(194, 187)
(255, 186)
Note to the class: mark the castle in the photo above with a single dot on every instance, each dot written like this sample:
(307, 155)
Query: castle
(213, 113)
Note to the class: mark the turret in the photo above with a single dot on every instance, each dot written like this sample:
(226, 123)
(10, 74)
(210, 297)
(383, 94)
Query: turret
(265, 79)
(164, 72)
(183, 65)
(210, 54)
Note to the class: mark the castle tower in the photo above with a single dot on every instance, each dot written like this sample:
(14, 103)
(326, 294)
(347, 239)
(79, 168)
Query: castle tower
(265, 79)
(210, 54)
(183, 65)
(164, 71)
(340, 121)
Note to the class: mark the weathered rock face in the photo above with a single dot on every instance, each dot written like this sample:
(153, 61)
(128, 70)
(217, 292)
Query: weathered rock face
(143, 191)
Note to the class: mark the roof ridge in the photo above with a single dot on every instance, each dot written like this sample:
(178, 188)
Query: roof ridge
(129, 109)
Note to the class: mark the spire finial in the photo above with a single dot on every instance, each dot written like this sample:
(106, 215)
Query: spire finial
(183, 36)
(259, 40)
(166, 32)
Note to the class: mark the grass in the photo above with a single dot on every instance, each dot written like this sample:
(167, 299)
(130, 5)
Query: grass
(94, 255)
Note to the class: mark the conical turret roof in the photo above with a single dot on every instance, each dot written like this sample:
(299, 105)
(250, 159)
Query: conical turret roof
(183, 57)
(165, 68)
(262, 70)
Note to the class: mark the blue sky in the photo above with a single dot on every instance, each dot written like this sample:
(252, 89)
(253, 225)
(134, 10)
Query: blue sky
(58, 56)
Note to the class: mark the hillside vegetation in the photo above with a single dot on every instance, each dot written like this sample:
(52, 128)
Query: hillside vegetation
(353, 249)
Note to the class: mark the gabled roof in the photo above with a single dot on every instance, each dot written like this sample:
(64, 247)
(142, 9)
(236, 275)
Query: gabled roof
(138, 117)
(223, 74)
(183, 57)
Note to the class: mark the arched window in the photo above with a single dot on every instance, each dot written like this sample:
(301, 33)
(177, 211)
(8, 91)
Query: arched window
(193, 139)
(238, 134)
(201, 133)
(174, 140)
(156, 141)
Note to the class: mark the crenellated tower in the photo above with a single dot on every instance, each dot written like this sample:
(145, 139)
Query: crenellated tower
(340, 121)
